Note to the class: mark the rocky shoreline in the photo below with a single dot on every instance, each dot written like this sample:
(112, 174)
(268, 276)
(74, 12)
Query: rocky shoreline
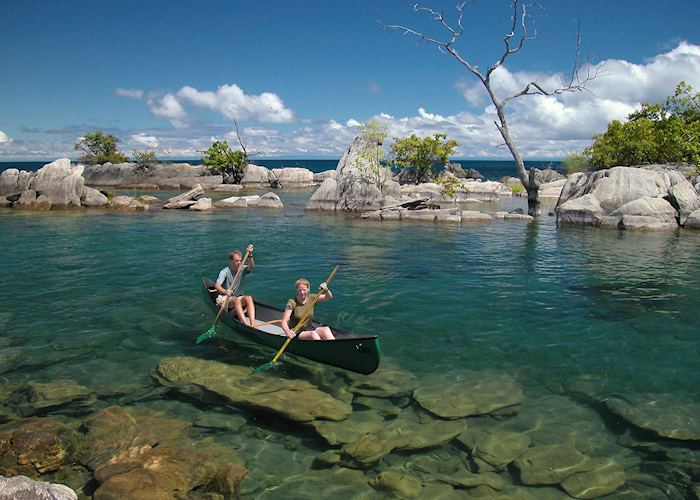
(649, 197)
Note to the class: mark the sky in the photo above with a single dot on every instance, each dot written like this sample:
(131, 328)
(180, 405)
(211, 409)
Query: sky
(300, 76)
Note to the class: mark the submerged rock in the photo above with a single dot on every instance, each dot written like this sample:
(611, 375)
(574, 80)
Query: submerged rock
(605, 478)
(397, 484)
(295, 399)
(663, 414)
(409, 431)
(469, 393)
(37, 445)
(551, 464)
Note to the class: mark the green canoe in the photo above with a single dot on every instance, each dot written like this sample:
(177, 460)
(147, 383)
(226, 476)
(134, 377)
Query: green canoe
(352, 352)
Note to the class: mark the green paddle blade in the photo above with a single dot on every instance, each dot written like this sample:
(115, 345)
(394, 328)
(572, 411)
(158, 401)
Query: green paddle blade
(206, 335)
(263, 367)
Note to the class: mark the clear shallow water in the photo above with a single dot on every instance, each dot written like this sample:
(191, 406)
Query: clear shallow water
(101, 298)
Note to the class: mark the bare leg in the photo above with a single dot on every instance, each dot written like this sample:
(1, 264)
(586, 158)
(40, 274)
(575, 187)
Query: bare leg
(238, 306)
(309, 335)
(325, 333)
(250, 309)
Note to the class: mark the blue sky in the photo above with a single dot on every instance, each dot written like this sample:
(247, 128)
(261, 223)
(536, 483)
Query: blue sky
(299, 76)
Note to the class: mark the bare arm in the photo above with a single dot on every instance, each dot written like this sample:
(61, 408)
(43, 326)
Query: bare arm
(285, 322)
(325, 294)
(251, 262)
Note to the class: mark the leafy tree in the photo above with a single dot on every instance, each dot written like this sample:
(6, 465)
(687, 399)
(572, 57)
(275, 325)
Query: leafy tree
(99, 148)
(421, 155)
(145, 162)
(371, 153)
(667, 132)
(221, 159)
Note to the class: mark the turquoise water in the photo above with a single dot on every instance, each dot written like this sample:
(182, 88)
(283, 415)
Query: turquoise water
(100, 298)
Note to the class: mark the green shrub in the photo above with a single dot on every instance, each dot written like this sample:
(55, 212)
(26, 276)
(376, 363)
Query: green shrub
(145, 162)
(576, 162)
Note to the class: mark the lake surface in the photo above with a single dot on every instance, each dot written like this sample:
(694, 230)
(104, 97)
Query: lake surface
(101, 298)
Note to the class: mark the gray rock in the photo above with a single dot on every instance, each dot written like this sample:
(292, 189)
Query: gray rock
(293, 177)
(23, 488)
(646, 213)
(326, 197)
(270, 200)
(322, 176)
(257, 176)
(61, 183)
(201, 205)
(27, 199)
(93, 198)
(13, 181)
(354, 188)
(127, 203)
(585, 210)
(693, 220)
(684, 198)
(238, 201)
(187, 199)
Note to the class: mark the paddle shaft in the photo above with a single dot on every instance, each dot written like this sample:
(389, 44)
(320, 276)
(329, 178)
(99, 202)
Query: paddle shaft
(304, 318)
(224, 305)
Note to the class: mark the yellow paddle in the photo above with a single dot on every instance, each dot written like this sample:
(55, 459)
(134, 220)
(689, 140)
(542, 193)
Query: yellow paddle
(224, 306)
(298, 326)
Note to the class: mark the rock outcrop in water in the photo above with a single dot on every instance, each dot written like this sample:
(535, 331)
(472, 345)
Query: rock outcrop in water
(354, 187)
(648, 197)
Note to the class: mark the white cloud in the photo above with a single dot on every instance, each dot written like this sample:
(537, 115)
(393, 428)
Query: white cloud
(231, 102)
(142, 139)
(4, 137)
(168, 107)
(352, 123)
(130, 93)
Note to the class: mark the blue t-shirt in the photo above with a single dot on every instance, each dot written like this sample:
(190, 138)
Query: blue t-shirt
(226, 278)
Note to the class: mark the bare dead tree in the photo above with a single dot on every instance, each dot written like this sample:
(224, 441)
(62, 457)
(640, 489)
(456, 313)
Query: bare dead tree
(513, 41)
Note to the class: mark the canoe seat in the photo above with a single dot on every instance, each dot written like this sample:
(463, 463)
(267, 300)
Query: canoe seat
(273, 329)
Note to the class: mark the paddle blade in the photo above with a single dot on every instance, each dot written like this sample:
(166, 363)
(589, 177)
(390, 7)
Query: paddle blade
(263, 367)
(206, 335)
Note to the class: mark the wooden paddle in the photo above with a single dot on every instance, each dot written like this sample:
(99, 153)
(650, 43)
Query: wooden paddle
(224, 306)
(299, 325)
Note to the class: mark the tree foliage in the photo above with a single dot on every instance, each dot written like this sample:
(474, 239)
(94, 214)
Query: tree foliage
(145, 162)
(422, 155)
(667, 132)
(99, 148)
(221, 159)
(371, 152)
(577, 162)
(450, 185)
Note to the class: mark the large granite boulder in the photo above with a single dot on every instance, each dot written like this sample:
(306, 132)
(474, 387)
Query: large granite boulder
(294, 177)
(628, 197)
(257, 176)
(61, 183)
(23, 488)
(13, 181)
(165, 175)
(354, 188)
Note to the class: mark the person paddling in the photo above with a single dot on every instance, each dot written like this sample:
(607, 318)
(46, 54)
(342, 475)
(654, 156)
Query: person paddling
(298, 307)
(230, 284)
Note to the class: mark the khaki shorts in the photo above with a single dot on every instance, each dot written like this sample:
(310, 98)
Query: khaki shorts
(220, 299)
